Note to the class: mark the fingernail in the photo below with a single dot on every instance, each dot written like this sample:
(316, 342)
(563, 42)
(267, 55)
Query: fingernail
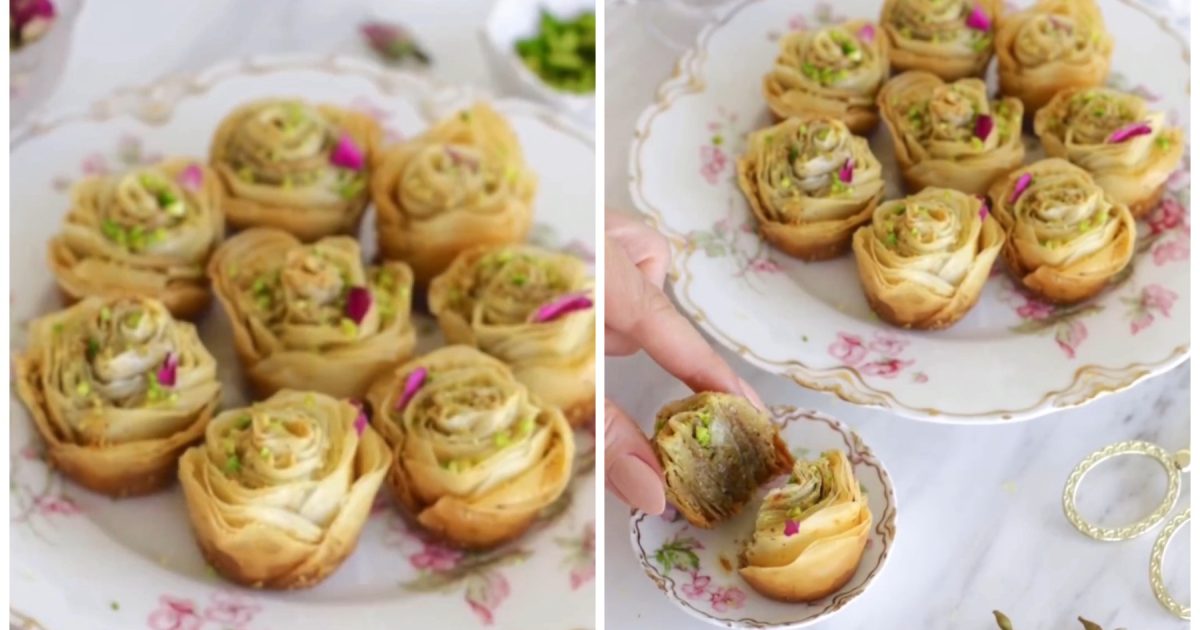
(751, 395)
(637, 482)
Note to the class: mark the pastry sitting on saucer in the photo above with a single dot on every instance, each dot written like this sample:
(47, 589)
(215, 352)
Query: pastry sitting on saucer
(716, 450)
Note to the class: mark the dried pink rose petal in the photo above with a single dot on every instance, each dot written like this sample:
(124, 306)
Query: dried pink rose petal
(414, 382)
(166, 373)
(790, 527)
(983, 126)
(1131, 130)
(358, 302)
(979, 20)
(360, 422)
(846, 173)
(1023, 182)
(347, 154)
(985, 208)
(192, 178)
(561, 306)
(867, 33)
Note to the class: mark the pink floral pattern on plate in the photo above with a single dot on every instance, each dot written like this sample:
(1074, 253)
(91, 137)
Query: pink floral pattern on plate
(823, 14)
(679, 554)
(581, 555)
(880, 356)
(1153, 299)
(714, 160)
(129, 153)
(227, 610)
(1063, 323)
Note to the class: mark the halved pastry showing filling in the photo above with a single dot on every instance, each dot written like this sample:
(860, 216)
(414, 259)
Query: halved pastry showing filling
(924, 259)
(279, 491)
(1051, 46)
(810, 533)
(476, 456)
(716, 450)
(949, 38)
(117, 389)
(951, 135)
(147, 232)
(1066, 238)
(532, 309)
(1128, 148)
(834, 71)
(460, 184)
(295, 166)
(312, 316)
(810, 184)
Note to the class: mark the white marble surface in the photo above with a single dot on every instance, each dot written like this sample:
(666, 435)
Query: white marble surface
(980, 524)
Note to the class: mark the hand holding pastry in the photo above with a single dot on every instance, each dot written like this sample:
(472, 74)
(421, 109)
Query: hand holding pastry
(949, 38)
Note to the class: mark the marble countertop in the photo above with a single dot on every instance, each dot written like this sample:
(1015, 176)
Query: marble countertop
(980, 522)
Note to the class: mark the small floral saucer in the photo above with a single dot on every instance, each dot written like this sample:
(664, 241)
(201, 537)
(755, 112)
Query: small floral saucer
(697, 568)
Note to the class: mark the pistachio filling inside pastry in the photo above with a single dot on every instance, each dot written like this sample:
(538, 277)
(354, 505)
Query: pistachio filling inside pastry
(810, 533)
(461, 184)
(810, 183)
(312, 316)
(1066, 237)
(950, 134)
(295, 166)
(279, 491)
(925, 258)
(477, 457)
(117, 389)
(1053, 45)
(716, 450)
(530, 308)
(147, 232)
(1128, 148)
(833, 71)
(949, 38)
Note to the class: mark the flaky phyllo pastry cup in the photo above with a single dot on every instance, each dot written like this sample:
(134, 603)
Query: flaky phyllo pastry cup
(460, 184)
(716, 450)
(279, 491)
(1128, 148)
(1051, 46)
(949, 134)
(530, 308)
(810, 184)
(949, 38)
(810, 533)
(925, 258)
(295, 166)
(146, 232)
(312, 316)
(833, 71)
(1066, 239)
(117, 390)
(475, 456)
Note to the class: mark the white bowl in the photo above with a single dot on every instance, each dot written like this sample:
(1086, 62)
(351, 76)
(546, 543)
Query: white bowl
(513, 20)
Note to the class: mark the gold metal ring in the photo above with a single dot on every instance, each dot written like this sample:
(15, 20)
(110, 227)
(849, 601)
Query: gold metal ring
(1156, 568)
(1174, 464)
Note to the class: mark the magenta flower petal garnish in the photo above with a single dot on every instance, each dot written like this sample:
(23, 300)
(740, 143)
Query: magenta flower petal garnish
(867, 33)
(414, 382)
(1131, 130)
(983, 126)
(561, 306)
(166, 373)
(347, 154)
(358, 302)
(791, 528)
(192, 177)
(360, 422)
(1023, 182)
(979, 20)
(985, 208)
(846, 173)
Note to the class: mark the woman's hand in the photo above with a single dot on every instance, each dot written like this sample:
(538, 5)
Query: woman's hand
(639, 316)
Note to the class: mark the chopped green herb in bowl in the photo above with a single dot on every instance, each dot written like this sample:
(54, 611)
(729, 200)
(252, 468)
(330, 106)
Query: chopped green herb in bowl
(563, 52)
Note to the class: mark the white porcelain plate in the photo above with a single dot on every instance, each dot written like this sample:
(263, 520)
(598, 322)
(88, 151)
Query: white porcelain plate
(697, 568)
(81, 560)
(1012, 357)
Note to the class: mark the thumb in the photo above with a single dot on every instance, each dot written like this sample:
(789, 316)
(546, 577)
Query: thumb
(631, 470)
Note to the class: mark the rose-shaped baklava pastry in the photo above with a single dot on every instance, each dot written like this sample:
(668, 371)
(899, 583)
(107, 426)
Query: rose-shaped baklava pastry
(312, 316)
(295, 166)
(462, 183)
(530, 308)
(1065, 237)
(925, 258)
(810, 184)
(117, 390)
(1051, 46)
(1127, 147)
(950, 38)
(716, 450)
(146, 232)
(833, 71)
(279, 491)
(810, 533)
(476, 456)
(950, 134)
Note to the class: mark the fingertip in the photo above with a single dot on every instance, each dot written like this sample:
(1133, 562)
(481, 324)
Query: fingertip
(751, 395)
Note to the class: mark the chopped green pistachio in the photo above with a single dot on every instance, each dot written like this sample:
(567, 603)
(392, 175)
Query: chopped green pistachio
(454, 466)
(310, 401)
(137, 238)
(981, 44)
(717, 139)
(93, 348)
(768, 139)
(525, 426)
(786, 184)
(113, 231)
(1098, 112)
(114, 605)
(793, 153)
(837, 187)
(1162, 141)
(57, 328)
(976, 143)
(83, 388)
(891, 239)
(133, 319)
(914, 233)
(703, 434)
(502, 439)
(519, 279)
(264, 453)
(465, 115)
(1085, 225)
(233, 464)
(352, 188)
(246, 174)
(349, 328)
(105, 314)
(244, 422)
